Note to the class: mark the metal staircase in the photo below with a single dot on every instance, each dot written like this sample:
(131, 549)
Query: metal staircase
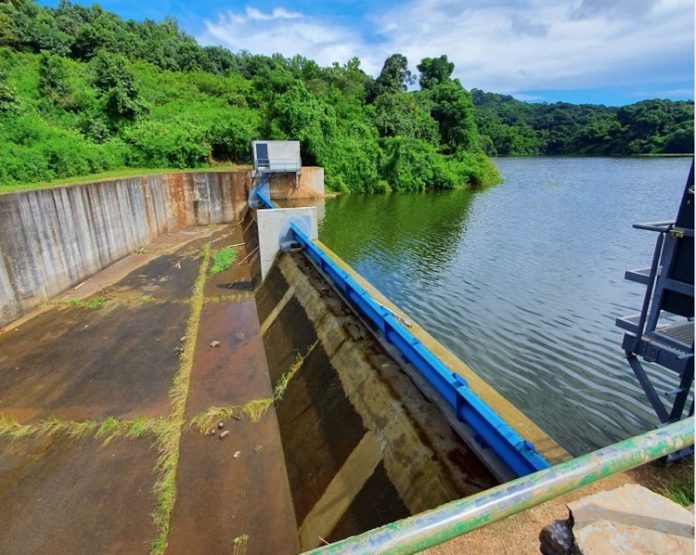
(663, 331)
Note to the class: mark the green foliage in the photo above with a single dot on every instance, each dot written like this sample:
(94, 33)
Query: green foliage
(406, 115)
(54, 80)
(454, 112)
(119, 96)
(178, 143)
(510, 127)
(95, 303)
(434, 71)
(394, 77)
(414, 165)
(83, 91)
(223, 260)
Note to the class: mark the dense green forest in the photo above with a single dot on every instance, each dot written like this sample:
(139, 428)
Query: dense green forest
(84, 91)
(510, 127)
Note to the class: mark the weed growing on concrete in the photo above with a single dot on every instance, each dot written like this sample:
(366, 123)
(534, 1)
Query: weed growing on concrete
(94, 303)
(282, 385)
(169, 430)
(239, 545)
(253, 410)
(107, 429)
(223, 260)
(234, 298)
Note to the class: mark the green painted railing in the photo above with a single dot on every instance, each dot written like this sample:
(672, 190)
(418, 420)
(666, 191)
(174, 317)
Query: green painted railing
(459, 517)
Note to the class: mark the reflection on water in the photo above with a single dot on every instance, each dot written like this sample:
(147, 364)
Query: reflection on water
(523, 281)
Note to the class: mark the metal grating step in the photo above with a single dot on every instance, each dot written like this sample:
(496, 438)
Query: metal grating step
(681, 334)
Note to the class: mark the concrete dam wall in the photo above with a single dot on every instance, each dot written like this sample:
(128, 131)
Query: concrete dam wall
(51, 239)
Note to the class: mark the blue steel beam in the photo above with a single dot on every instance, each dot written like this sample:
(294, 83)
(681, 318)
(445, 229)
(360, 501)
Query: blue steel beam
(518, 454)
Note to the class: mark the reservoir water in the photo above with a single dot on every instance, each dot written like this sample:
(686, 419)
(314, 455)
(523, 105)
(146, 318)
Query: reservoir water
(523, 281)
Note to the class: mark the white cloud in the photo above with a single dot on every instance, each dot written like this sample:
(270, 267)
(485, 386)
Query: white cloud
(281, 31)
(496, 45)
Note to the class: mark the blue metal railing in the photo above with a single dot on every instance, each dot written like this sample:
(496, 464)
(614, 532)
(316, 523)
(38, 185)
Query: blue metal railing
(491, 430)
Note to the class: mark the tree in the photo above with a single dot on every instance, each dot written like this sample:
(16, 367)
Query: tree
(119, 94)
(454, 112)
(405, 114)
(434, 71)
(53, 79)
(394, 77)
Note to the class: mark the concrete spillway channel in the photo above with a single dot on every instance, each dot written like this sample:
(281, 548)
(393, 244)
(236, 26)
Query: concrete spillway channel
(122, 352)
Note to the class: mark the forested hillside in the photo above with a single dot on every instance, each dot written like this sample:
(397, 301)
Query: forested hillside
(510, 127)
(82, 91)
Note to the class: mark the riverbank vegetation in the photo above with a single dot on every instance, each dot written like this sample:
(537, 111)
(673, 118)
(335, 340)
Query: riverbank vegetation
(509, 127)
(83, 91)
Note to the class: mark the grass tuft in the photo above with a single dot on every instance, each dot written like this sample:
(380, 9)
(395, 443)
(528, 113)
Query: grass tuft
(95, 303)
(108, 429)
(169, 430)
(281, 386)
(680, 489)
(239, 545)
(223, 260)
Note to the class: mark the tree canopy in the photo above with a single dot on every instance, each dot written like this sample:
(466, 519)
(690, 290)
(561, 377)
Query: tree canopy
(510, 127)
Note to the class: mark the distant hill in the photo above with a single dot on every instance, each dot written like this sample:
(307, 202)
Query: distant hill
(510, 127)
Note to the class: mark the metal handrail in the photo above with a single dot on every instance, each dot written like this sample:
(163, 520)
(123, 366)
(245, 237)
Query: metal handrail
(464, 515)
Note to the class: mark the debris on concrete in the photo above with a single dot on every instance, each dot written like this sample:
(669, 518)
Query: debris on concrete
(258, 448)
(221, 425)
(237, 454)
(224, 434)
(214, 343)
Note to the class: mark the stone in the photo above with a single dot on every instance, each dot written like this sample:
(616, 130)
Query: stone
(214, 343)
(556, 539)
(631, 520)
(224, 434)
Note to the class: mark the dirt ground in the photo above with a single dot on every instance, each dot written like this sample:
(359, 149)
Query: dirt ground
(519, 534)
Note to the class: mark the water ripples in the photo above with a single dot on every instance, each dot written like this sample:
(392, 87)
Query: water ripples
(523, 281)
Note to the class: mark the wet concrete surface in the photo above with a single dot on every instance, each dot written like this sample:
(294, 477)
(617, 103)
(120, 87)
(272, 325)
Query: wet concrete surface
(78, 363)
(235, 371)
(378, 501)
(70, 362)
(62, 495)
(221, 497)
(320, 429)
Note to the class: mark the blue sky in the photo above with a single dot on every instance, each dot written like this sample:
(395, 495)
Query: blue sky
(600, 51)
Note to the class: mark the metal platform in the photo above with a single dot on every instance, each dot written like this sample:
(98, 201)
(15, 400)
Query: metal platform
(663, 331)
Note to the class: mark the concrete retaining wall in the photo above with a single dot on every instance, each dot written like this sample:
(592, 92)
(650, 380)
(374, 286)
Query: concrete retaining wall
(51, 239)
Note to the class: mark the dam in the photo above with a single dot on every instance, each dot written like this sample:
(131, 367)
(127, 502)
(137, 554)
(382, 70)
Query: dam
(151, 401)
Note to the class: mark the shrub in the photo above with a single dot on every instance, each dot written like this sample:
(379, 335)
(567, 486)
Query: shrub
(178, 144)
